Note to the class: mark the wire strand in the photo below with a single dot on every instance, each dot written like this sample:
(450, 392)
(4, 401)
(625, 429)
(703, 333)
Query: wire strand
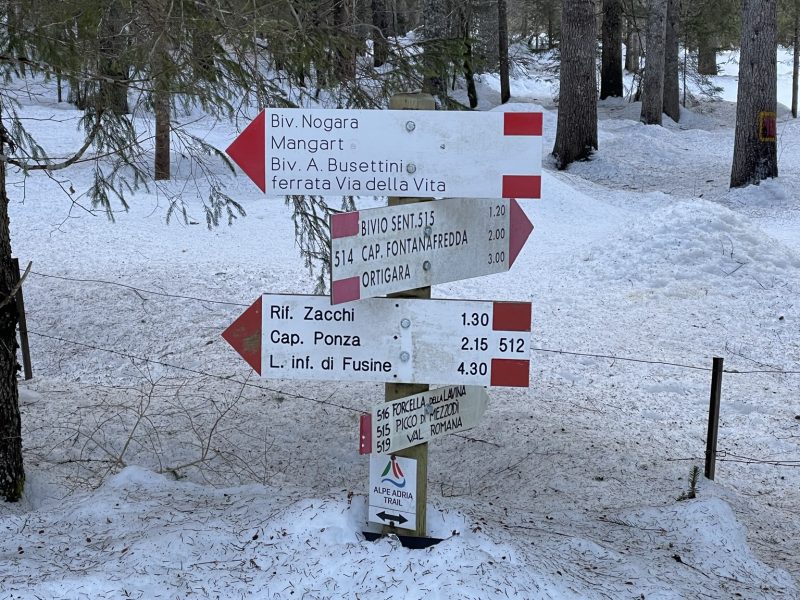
(669, 364)
(534, 349)
(194, 371)
(137, 289)
(245, 383)
(622, 358)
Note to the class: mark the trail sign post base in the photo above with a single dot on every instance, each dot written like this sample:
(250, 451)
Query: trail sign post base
(407, 541)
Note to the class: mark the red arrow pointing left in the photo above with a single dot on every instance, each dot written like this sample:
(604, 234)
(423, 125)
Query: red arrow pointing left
(244, 335)
(248, 151)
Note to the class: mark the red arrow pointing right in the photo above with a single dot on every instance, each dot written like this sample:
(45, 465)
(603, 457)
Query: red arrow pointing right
(521, 228)
(244, 335)
(249, 151)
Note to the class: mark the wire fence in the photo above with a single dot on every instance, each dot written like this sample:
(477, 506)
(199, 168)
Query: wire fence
(722, 455)
(781, 371)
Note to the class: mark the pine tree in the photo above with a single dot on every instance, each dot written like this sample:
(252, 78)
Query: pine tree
(12, 473)
(710, 25)
(796, 58)
(755, 155)
(576, 131)
(789, 36)
(633, 42)
(502, 34)
(611, 69)
(653, 83)
(382, 30)
(672, 61)
(486, 47)
(435, 60)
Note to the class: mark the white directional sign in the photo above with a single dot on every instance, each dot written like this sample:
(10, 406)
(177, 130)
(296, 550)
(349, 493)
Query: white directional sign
(417, 419)
(385, 250)
(401, 340)
(392, 491)
(393, 153)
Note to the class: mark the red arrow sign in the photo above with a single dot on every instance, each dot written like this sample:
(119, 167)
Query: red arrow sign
(404, 340)
(248, 150)
(521, 228)
(391, 249)
(244, 335)
(392, 153)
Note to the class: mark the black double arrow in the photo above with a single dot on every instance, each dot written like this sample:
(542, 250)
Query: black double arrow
(396, 518)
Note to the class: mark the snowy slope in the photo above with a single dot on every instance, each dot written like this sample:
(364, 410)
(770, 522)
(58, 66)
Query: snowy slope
(189, 476)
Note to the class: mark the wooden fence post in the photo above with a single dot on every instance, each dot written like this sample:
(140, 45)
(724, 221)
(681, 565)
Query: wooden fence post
(416, 101)
(23, 325)
(713, 418)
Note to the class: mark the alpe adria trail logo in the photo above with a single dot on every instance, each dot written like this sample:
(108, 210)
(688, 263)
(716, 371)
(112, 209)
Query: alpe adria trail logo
(393, 474)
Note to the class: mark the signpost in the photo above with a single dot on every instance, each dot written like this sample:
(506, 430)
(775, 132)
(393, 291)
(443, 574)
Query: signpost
(393, 491)
(405, 340)
(416, 419)
(398, 340)
(392, 153)
(384, 250)
(393, 390)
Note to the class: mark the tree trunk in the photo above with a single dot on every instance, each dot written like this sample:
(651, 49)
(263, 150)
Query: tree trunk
(434, 61)
(502, 34)
(463, 16)
(611, 69)
(796, 61)
(706, 56)
(203, 49)
(653, 82)
(408, 15)
(672, 62)
(162, 110)
(12, 473)
(380, 32)
(755, 149)
(576, 132)
(397, 16)
(469, 76)
(344, 63)
(488, 46)
(633, 49)
(113, 83)
(78, 93)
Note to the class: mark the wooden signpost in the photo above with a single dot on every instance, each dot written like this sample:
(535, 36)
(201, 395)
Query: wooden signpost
(404, 338)
(392, 390)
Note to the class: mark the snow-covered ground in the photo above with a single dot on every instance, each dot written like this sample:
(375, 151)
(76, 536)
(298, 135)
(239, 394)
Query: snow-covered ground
(185, 475)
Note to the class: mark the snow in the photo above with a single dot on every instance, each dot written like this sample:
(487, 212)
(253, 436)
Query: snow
(189, 476)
